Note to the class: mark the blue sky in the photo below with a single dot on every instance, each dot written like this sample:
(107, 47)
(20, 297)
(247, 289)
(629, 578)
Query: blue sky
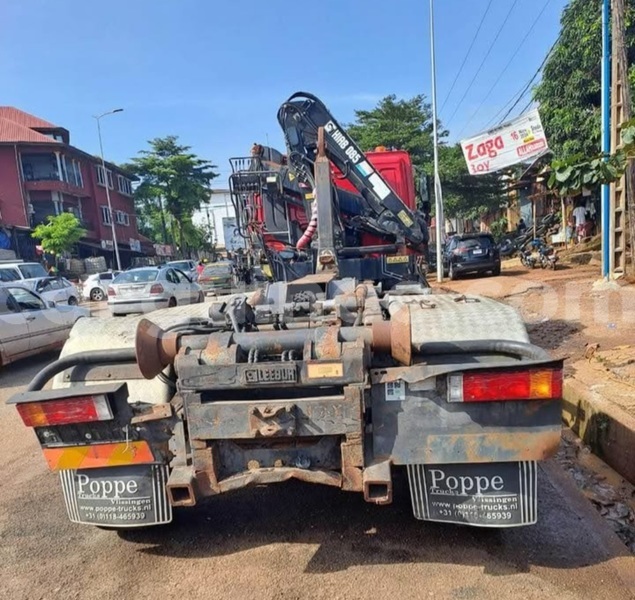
(215, 72)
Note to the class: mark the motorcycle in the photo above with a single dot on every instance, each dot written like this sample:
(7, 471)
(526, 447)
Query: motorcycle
(527, 258)
(548, 257)
(512, 243)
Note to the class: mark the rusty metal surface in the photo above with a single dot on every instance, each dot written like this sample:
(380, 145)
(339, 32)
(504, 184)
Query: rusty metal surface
(272, 420)
(154, 413)
(155, 348)
(328, 415)
(327, 344)
(220, 349)
(277, 475)
(424, 428)
(377, 481)
(401, 336)
(111, 372)
(352, 449)
(181, 487)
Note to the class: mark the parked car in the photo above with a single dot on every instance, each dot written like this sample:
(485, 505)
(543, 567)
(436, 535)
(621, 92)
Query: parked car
(58, 289)
(95, 287)
(29, 324)
(471, 253)
(185, 266)
(20, 271)
(216, 277)
(148, 288)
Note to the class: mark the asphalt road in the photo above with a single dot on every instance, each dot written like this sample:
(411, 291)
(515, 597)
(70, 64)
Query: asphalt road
(291, 541)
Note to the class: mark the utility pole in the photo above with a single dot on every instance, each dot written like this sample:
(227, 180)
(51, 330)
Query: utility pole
(606, 138)
(103, 166)
(621, 190)
(438, 196)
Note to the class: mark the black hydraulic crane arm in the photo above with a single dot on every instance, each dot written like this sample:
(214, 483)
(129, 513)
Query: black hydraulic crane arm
(300, 118)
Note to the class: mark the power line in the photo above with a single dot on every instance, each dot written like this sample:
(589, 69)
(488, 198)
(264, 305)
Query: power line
(517, 97)
(489, 50)
(509, 62)
(467, 54)
(542, 64)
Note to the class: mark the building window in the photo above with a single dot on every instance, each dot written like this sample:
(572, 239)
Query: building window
(124, 185)
(122, 218)
(101, 180)
(105, 215)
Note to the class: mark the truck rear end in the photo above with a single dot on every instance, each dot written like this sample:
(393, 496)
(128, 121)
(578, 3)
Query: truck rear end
(317, 380)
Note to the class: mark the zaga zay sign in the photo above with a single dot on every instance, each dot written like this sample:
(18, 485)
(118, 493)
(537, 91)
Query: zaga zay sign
(516, 141)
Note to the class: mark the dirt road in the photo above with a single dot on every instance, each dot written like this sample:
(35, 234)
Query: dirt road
(290, 542)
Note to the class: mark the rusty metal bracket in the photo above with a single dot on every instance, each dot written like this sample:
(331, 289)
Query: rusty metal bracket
(273, 420)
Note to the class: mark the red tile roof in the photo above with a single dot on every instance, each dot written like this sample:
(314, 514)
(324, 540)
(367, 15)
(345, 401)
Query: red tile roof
(10, 131)
(24, 118)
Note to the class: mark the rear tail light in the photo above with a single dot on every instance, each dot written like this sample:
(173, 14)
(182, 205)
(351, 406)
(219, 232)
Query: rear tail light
(488, 386)
(80, 409)
(111, 291)
(156, 288)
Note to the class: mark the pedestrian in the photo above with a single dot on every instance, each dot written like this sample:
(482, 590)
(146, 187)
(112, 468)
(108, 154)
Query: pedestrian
(521, 227)
(579, 216)
(200, 267)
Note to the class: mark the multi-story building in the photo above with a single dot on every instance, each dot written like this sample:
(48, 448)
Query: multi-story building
(42, 174)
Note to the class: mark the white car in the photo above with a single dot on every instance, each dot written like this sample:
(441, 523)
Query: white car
(57, 289)
(21, 271)
(95, 287)
(29, 324)
(149, 288)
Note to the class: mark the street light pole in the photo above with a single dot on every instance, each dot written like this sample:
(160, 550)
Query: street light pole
(103, 166)
(438, 196)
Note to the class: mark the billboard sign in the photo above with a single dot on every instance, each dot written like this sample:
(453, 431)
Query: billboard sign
(233, 239)
(516, 141)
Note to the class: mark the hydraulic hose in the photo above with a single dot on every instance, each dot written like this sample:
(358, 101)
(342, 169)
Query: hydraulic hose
(91, 357)
(519, 349)
(307, 236)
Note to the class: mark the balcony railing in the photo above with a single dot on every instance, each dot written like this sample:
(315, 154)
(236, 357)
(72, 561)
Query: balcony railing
(55, 186)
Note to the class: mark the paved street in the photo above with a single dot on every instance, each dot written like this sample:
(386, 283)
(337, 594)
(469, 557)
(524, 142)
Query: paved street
(289, 542)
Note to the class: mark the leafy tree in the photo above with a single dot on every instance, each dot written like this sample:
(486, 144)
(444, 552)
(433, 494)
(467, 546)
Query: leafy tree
(402, 124)
(60, 233)
(407, 125)
(569, 176)
(569, 93)
(174, 184)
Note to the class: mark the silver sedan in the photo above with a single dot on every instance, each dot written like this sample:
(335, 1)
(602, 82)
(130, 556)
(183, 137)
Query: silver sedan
(29, 324)
(148, 288)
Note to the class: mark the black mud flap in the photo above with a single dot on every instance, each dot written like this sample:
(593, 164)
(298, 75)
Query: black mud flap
(131, 496)
(479, 494)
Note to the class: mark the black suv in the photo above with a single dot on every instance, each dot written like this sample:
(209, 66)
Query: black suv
(471, 253)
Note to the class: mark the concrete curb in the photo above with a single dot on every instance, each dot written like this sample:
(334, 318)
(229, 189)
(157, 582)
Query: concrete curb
(606, 428)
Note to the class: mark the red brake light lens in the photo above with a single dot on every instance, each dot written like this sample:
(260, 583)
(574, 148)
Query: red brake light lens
(156, 288)
(111, 291)
(81, 409)
(489, 386)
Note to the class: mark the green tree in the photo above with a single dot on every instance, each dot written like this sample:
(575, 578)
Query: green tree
(407, 125)
(59, 234)
(569, 92)
(402, 124)
(174, 182)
